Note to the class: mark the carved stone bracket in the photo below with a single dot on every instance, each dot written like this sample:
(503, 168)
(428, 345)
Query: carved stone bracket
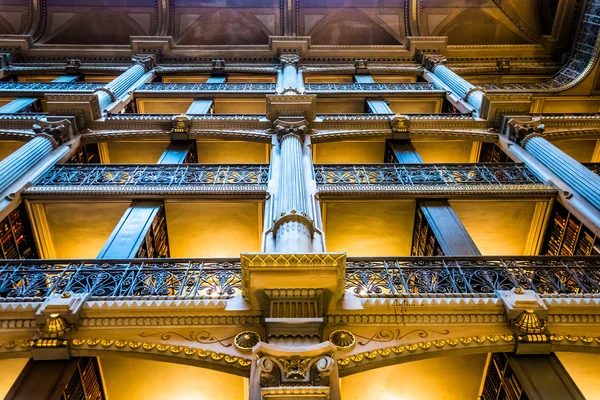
(430, 61)
(148, 61)
(302, 372)
(57, 132)
(73, 65)
(304, 106)
(526, 314)
(520, 130)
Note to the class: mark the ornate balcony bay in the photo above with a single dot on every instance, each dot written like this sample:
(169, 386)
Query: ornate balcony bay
(124, 278)
(429, 178)
(481, 275)
(40, 88)
(374, 277)
(151, 179)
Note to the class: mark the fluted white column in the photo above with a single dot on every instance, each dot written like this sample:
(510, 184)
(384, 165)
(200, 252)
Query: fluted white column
(458, 85)
(290, 79)
(19, 162)
(578, 177)
(119, 86)
(293, 228)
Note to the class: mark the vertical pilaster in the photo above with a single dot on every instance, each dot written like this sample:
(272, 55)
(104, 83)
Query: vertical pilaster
(18, 105)
(363, 79)
(401, 152)
(378, 107)
(200, 107)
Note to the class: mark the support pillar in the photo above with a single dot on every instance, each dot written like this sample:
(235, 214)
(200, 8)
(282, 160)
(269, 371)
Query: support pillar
(77, 378)
(379, 107)
(19, 162)
(579, 178)
(535, 377)
(180, 152)
(200, 107)
(444, 76)
(293, 228)
(363, 79)
(451, 235)
(119, 86)
(290, 79)
(401, 152)
(216, 79)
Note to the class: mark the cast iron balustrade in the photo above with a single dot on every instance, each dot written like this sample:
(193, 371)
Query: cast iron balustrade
(124, 278)
(409, 276)
(595, 167)
(191, 88)
(152, 178)
(434, 177)
(481, 275)
(371, 87)
(42, 88)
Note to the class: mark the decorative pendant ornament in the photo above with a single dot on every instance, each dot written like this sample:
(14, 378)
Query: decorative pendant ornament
(344, 340)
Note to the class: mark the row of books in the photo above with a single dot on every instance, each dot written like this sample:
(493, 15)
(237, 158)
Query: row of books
(85, 381)
(86, 154)
(156, 241)
(424, 241)
(500, 382)
(16, 239)
(567, 236)
(492, 153)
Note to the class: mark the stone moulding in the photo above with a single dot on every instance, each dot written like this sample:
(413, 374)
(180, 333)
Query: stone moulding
(436, 190)
(109, 190)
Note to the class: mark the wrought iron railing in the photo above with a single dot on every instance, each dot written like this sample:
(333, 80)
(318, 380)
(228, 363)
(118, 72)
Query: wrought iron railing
(371, 87)
(242, 88)
(482, 275)
(431, 176)
(48, 87)
(408, 276)
(153, 178)
(124, 278)
(595, 167)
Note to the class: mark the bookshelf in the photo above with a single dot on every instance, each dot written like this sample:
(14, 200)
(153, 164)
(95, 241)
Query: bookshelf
(86, 154)
(85, 383)
(192, 155)
(16, 239)
(156, 241)
(424, 241)
(567, 236)
(501, 382)
(492, 153)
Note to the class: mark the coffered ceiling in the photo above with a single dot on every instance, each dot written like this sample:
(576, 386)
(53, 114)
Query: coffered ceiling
(251, 22)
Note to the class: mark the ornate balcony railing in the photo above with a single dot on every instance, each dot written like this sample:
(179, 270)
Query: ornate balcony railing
(151, 179)
(124, 278)
(424, 178)
(400, 276)
(41, 88)
(198, 88)
(595, 167)
(482, 275)
(420, 87)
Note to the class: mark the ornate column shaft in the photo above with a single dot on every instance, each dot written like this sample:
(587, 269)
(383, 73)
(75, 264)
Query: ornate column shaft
(119, 86)
(19, 162)
(462, 88)
(578, 177)
(293, 227)
(290, 81)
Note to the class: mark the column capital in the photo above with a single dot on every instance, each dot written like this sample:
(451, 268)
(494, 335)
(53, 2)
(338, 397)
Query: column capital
(57, 132)
(521, 130)
(430, 61)
(286, 129)
(148, 61)
(287, 59)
